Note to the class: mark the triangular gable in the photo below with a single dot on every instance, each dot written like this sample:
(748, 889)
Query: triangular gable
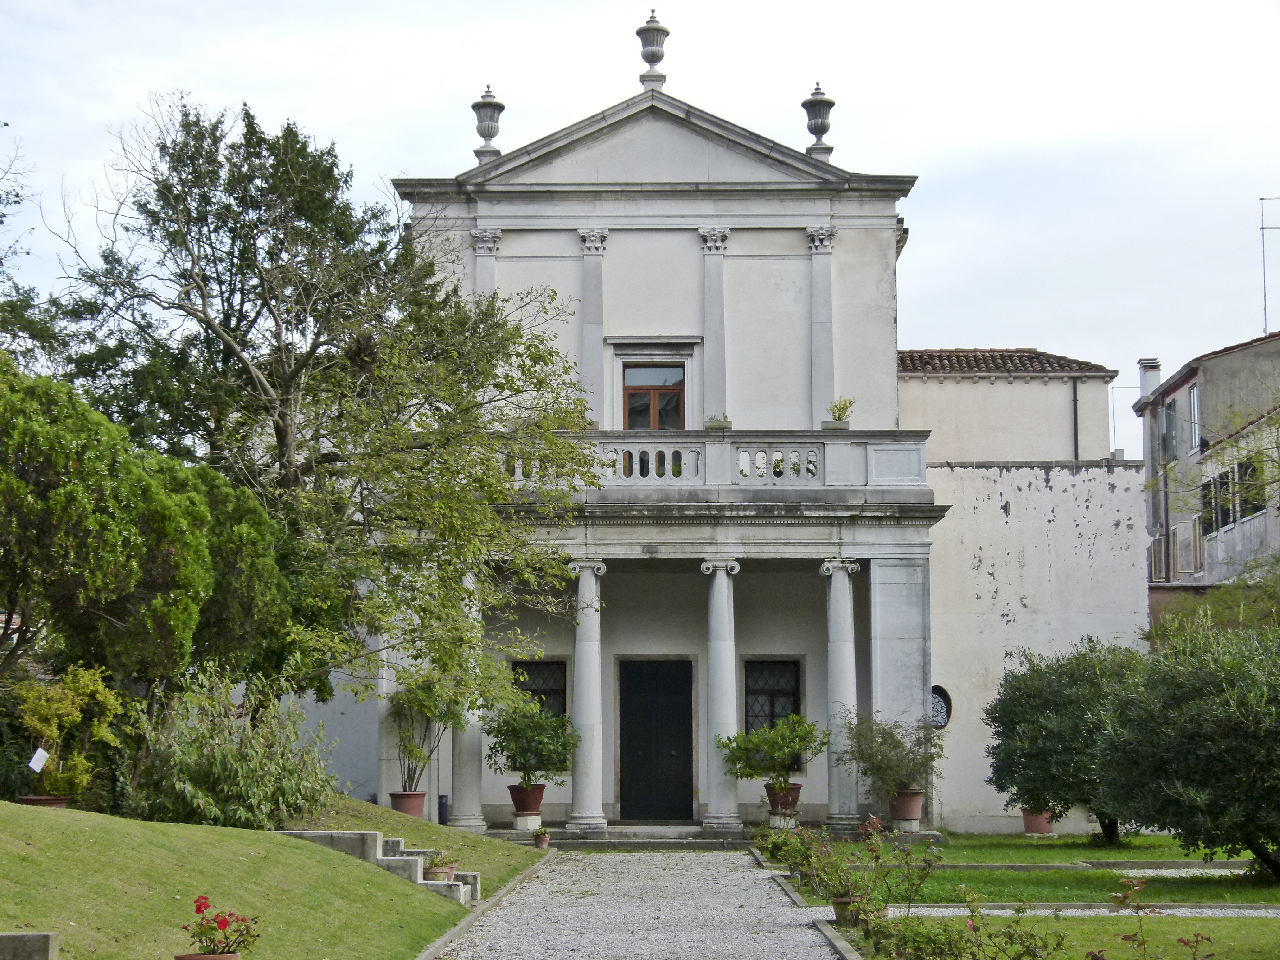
(654, 138)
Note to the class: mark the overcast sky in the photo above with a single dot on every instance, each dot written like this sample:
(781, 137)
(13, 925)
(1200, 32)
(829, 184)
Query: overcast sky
(1089, 172)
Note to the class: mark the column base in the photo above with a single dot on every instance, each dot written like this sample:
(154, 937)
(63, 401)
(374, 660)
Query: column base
(843, 825)
(589, 827)
(469, 824)
(722, 823)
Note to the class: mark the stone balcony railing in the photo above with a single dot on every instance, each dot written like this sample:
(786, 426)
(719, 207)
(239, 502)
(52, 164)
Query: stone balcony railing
(794, 459)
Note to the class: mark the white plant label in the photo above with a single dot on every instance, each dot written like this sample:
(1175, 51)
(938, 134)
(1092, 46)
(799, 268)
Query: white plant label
(38, 759)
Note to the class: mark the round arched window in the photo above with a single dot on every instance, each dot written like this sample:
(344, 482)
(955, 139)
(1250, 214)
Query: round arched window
(940, 708)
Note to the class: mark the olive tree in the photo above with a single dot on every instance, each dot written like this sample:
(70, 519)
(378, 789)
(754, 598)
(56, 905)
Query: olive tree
(1045, 722)
(1191, 742)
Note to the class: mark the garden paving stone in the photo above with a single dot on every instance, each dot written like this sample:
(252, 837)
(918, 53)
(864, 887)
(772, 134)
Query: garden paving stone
(610, 906)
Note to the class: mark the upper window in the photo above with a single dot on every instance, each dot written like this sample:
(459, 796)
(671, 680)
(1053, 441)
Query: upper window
(773, 691)
(653, 397)
(1169, 431)
(1252, 487)
(545, 681)
(1193, 415)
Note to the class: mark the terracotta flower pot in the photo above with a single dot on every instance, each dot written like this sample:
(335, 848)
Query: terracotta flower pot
(444, 873)
(408, 801)
(59, 802)
(841, 907)
(1036, 822)
(528, 802)
(783, 801)
(906, 805)
(542, 842)
(201, 956)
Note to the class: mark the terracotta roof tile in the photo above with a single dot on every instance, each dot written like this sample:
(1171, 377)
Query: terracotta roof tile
(1015, 362)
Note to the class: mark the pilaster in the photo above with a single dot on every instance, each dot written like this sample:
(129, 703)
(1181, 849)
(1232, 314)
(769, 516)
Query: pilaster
(714, 370)
(591, 356)
(485, 243)
(822, 375)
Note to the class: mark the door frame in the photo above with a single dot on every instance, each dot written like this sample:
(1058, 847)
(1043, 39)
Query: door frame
(695, 815)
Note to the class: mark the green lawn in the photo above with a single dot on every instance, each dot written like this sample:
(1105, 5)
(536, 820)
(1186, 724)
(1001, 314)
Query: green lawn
(1233, 938)
(1056, 848)
(496, 860)
(116, 889)
(1094, 886)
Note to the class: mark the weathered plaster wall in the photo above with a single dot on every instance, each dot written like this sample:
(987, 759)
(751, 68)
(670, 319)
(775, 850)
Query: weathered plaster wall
(975, 419)
(1033, 556)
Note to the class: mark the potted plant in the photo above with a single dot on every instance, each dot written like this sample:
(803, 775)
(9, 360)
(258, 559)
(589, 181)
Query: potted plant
(839, 410)
(423, 709)
(899, 759)
(1036, 823)
(219, 934)
(773, 753)
(534, 743)
(542, 838)
(442, 866)
(65, 718)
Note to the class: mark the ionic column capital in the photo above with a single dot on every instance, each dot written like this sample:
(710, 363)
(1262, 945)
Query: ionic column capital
(485, 241)
(714, 239)
(595, 566)
(820, 238)
(830, 566)
(728, 566)
(593, 239)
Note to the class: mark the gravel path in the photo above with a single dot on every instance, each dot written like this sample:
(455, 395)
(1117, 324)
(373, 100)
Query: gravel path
(613, 905)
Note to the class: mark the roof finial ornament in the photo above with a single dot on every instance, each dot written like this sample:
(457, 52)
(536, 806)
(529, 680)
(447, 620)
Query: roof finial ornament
(652, 35)
(488, 108)
(818, 107)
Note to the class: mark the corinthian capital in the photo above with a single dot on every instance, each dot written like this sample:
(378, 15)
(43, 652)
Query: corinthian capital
(485, 241)
(714, 239)
(820, 238)
(593, 239)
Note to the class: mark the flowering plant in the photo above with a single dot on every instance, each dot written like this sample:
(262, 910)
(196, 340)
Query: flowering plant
(221, 933)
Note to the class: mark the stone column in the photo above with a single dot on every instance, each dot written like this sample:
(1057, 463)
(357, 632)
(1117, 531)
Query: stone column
(587, 810)
(715, 391)
(485, 244)
(722, 696)
(468, 765)
(842, 782)
(822, 369)
(591, 357)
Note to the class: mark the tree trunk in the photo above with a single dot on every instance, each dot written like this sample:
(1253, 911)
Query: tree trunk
(1110, 828)
(1264, 855)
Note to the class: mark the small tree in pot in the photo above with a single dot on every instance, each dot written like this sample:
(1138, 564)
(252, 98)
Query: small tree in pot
(773, 753)
(899, 758)
(534, 743)
(423, 709)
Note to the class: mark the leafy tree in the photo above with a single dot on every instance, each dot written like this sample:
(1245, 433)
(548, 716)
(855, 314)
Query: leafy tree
(256, 319)
(1250, 599)
(1192, 741)
(65, 718)
(1046, 719)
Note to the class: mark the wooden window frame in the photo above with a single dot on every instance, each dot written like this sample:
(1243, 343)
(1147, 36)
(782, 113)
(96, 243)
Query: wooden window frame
(653, 394)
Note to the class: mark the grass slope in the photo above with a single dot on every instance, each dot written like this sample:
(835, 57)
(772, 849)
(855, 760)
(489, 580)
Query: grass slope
(497, 860)
(116, 889)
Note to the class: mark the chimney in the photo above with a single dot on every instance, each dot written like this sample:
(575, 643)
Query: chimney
(1148, 376)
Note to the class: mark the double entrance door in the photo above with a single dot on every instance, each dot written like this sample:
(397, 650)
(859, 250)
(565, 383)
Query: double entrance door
(656, 739)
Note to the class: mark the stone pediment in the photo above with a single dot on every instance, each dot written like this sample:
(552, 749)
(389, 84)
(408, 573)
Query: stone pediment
(654, 138)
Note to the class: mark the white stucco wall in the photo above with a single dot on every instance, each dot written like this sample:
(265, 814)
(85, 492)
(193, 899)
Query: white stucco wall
(975, 419)
(1028, 556)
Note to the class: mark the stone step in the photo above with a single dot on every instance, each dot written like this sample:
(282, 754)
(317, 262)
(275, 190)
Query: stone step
(391, 855)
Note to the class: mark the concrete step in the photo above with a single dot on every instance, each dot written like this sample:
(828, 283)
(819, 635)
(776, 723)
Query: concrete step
(391, 855)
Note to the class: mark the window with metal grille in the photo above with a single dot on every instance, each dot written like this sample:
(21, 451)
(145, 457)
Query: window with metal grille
(1222, 500)
(545, 680)
(939, 707)
(773, 691)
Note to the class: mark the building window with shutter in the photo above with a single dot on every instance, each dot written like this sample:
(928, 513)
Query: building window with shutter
(546, 681)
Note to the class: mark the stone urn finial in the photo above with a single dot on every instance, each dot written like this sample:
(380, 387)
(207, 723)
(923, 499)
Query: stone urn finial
(652, 36)
(488, 108)
(818, 107)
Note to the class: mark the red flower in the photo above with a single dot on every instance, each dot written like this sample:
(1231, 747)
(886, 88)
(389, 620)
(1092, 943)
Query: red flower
(223, 922)
(202, 904)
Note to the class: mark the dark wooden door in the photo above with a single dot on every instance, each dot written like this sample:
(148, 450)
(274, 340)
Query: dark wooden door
(656, 739)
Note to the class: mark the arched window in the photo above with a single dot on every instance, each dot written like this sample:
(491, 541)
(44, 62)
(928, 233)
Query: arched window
(940, 708)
